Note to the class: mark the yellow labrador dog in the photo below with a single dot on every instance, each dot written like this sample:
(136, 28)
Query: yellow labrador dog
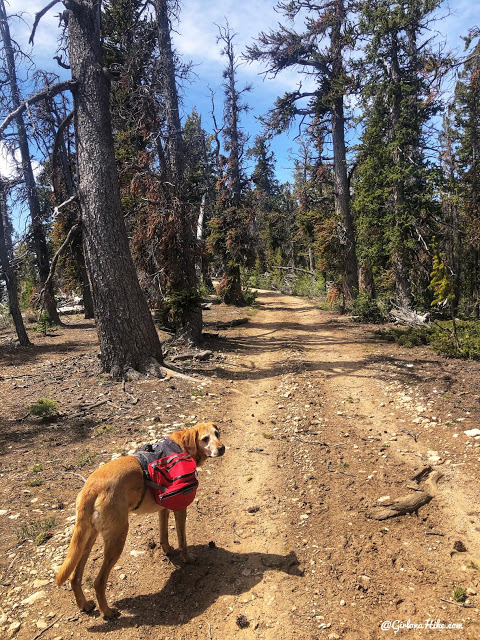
(103, 506)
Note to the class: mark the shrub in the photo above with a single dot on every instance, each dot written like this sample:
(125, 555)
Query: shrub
(440, 337)
(44, 408)
(459, 594)
(368, 309)
(44, 323)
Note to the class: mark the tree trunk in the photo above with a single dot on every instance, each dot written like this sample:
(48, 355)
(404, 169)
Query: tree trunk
(180, 272)
(61, 155)
(38, 235)
(342, 204)
(340, 174)
(231, 287)
(9, 273)
(127, 335)
(399, 259)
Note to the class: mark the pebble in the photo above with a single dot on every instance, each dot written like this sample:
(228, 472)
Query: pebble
(472, 433)
(13, 628)
(38, 595)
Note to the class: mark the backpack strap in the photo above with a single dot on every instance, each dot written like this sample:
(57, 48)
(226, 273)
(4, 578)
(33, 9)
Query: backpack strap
(144, 462)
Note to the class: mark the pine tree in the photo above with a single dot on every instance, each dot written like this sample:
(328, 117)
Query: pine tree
(321, 53)
(394, 182)
(467, 101)
(231, 227)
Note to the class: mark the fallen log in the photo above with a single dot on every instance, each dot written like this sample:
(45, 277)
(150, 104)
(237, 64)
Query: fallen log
(409, 316)
(230, 323)
(407, 504)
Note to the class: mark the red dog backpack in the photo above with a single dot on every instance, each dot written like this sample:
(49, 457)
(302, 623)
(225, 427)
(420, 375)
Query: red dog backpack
(170, 473)
(173, 480)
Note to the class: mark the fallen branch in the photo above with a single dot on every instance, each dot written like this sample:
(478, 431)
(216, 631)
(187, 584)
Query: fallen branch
(46, 629)
(77, 475)
(412, 435)
(458, 604)
(409, 316)
(407, 504)
(311, 273)
(322, 444)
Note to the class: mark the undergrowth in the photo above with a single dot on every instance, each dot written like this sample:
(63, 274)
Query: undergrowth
(300, 284)
(439, 337)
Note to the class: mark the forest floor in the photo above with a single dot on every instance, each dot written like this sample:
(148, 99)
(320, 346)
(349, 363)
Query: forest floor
(320, 420)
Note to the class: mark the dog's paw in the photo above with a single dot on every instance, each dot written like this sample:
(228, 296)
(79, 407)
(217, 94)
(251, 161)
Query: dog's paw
(167, 549)
(89, 606)
(111, 613)
(188, 558)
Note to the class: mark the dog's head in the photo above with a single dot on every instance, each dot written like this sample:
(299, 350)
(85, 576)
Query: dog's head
(201, 441)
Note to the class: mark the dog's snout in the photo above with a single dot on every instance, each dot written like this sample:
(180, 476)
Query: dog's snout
(221, 450)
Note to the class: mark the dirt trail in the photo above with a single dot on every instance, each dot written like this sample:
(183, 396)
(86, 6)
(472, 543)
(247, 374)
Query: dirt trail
(320, 421)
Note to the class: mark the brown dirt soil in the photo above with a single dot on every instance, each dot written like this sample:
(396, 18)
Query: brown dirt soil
(320, 420)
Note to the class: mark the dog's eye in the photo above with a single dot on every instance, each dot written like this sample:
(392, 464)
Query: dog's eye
(205, 439)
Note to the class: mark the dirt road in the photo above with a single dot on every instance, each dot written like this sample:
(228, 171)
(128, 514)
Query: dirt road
(320, 421)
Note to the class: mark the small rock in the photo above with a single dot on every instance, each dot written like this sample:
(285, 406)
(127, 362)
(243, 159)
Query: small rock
(41, 624)
(13, 628)
(38, 595)
(459, 546)
(253, 509)
(471, 433)
(40, 583)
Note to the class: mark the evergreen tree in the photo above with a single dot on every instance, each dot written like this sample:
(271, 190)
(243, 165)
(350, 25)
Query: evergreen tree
(322, 53)
(231, 227)
(467, 100)
(395, 182)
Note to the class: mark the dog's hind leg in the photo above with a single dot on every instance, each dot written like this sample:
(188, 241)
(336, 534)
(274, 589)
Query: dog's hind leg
(114, 540)
(76, 579)
(163, 520)
(180, 524)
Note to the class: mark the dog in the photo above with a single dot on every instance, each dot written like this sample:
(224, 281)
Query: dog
(103, 506)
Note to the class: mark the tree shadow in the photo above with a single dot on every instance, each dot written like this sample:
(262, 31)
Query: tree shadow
(59, 434)
(191, 589)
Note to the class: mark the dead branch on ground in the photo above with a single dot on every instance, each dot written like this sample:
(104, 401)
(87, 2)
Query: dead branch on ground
(410, 503)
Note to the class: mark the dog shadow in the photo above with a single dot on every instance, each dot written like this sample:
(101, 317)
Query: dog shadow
(191, 589)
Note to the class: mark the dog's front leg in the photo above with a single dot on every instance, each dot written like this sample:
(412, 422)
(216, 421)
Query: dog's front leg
(163, 517)
(180, 523)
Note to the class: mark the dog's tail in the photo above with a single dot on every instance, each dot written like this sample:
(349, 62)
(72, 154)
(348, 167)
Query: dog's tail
(81, 533)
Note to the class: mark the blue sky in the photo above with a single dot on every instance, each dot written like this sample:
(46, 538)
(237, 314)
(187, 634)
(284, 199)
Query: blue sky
(195, 40)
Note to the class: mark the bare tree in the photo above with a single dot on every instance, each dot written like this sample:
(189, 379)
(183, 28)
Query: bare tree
(38, 235)
(6, 254)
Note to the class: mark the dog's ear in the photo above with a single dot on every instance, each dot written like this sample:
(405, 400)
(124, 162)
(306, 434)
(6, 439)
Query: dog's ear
(189, 441)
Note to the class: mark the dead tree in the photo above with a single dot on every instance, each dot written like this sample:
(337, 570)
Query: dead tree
(8, 270)
(38, 235)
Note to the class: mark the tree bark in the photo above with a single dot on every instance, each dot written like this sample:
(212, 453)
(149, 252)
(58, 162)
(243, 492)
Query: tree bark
(127, 335)
(38, 235)
(181, 271)
(340, 173)
(342, 204)
(9, 273)
(61, 156)
(399, 259)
